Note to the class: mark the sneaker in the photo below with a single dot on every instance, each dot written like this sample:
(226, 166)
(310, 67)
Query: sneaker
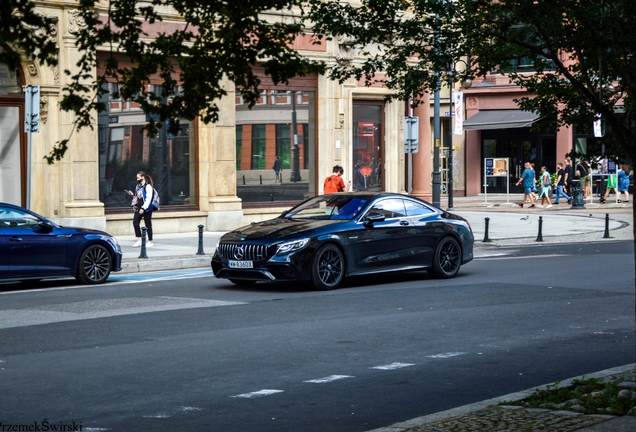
(137, 243)
(570, 201)
(549, 206)
(520, 205)
(149, 244)
(539, 205)
(532, 206)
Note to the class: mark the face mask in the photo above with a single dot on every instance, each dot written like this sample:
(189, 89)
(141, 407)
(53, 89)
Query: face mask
(139, 181)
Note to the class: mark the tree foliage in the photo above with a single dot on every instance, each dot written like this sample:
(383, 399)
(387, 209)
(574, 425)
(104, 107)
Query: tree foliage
(218, 39)
(582, 52)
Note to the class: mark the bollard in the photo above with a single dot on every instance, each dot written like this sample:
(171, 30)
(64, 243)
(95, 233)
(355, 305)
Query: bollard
(260, 178)
(540, 235)
(486, 239)
(142, 252)
(243, 180)
(200, 251)
(606, 235)
(272, 197)
(577, 199)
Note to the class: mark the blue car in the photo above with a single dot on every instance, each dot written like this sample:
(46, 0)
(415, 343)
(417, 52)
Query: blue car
(33, 248)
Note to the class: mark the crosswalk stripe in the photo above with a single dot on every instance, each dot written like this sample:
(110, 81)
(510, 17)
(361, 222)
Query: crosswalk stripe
(260, 393)
(328, 379)
(392, 366)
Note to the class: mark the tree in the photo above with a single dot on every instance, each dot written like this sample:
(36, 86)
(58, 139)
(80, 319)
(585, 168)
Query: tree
(218, 40)
(582, 52)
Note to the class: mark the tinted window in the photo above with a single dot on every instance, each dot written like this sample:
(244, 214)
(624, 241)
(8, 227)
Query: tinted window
(332, 206)
(11, 218)
(390, 208)
(416, 209)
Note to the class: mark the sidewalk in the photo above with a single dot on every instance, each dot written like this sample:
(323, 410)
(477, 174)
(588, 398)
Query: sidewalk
(509, 225)
(496, 415)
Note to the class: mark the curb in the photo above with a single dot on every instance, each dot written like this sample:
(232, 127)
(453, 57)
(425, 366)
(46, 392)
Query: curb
(512, 397)
(138, 265)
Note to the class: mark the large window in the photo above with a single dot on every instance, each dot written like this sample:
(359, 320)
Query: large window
(266, 131)
(125, 149)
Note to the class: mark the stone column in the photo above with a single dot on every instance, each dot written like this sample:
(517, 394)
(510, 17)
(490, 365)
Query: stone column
(422, 160)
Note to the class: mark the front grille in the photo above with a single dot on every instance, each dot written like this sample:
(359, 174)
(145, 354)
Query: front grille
(247, 252)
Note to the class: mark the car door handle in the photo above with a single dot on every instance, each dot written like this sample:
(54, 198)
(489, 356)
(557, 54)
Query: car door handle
(15, 239)
(404, 222)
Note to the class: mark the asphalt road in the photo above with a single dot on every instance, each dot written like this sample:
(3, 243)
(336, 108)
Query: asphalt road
(199, 354)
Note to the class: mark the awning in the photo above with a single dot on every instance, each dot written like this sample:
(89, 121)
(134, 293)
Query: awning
(500, 119)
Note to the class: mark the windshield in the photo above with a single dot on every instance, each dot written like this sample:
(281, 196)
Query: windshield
(332, 206)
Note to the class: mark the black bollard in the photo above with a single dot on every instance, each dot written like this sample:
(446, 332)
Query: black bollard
(200, 251)
(486, 239)
(243, 180)
(540, 235)
(142, 252)
(606, 235)
(271, 196)
(260, 179)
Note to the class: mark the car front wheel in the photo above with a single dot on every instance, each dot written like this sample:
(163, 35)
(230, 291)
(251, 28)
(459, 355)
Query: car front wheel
(447, 259)
(94, 265)
(328, 268)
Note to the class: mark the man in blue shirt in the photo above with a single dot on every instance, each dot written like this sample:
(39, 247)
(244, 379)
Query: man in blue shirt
(528, 183)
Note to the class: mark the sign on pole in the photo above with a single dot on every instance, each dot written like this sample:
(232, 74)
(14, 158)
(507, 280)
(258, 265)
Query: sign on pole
(32, 109)
(598, 131)
(459, 113)
(411, 134)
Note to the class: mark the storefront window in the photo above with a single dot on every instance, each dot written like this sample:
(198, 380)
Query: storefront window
(367, 145)
(266, 131)
(125, 149)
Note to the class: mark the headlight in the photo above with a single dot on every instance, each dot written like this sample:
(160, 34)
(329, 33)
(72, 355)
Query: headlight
(292, 246)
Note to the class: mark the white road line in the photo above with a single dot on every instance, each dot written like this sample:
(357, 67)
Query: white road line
(259, 393)
(520, 257)
(393, 366)
(447, 355)
(328, 379)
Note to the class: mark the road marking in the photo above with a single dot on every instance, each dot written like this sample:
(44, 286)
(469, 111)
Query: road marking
(101, 308)
(393, 366)
(328, 379)
(497, 257)
(256, 394)
(447, 355)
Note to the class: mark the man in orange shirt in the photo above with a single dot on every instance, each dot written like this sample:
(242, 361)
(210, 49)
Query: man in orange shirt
(334, 182)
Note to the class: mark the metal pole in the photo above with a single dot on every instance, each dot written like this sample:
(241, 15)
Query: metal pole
(540, 235)
(450, 152)
(295, 173)
(28, 168)
(607, 233)
(486, 239)
(436, 143)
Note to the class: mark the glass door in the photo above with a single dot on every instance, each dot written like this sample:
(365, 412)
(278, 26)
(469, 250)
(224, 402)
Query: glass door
(368, 145)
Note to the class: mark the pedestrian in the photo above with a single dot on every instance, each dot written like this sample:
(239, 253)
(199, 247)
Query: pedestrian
(277, 169)
(623, 183)
(568, 178)
(334, 183)
(560, 183)
(546, 185)
(583, 171)
(527, 177)
(611, 186)
(141, 204)
(359, 179)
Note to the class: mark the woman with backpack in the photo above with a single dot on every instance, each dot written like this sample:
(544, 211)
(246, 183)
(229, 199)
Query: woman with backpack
(142, 205)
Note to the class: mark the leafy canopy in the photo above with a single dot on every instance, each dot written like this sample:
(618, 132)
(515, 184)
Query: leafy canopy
(217, 40)
(581, 52)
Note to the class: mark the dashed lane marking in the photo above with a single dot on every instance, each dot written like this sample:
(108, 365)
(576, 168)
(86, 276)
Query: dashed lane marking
(328, 379)
(393, 366)
(260, 393)
(500, 257)
(447, 355)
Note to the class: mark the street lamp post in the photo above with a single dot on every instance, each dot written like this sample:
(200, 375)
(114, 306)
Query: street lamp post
(436, 142)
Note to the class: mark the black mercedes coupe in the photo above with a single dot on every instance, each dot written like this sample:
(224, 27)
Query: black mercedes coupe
(330, 237)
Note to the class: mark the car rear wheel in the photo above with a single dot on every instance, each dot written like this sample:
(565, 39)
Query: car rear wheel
(94, 265)
(242, 282)
(328, 268)
(447, 259)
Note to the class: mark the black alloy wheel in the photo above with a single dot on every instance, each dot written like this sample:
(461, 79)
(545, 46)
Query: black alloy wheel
(328, 269)
(242, 282)
(447, 259)
(94, 265)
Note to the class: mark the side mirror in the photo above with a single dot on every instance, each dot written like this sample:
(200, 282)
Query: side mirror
(372, 218)
(45, 225)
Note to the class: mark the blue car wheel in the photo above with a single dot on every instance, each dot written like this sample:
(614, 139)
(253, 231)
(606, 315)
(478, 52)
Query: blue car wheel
(94, 265)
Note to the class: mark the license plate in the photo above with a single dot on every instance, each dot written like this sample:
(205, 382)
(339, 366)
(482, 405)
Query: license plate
(241, 264)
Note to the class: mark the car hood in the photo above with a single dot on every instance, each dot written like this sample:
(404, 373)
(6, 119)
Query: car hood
(279, 228)
(89, 231)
